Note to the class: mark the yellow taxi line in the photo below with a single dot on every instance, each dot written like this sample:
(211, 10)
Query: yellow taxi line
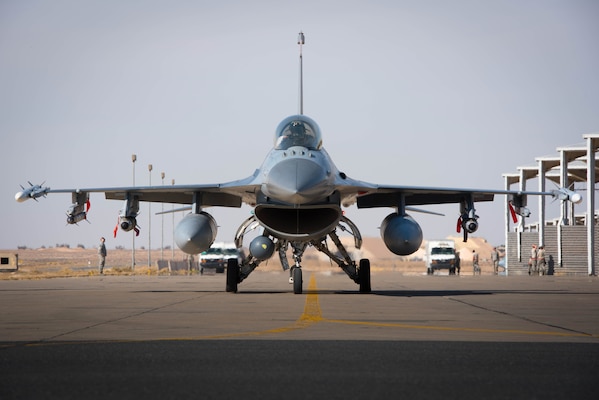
(311, 315)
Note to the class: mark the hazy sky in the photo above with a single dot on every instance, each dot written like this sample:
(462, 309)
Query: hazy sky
(434, 93)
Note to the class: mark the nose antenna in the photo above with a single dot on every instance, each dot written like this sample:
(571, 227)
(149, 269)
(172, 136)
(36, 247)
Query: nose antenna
(301, 40)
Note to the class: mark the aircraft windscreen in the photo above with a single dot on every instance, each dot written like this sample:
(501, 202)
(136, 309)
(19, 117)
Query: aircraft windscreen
(298, 130)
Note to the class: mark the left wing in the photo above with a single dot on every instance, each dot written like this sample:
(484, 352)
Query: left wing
(231, 194)
(402, 198)
(368, 195)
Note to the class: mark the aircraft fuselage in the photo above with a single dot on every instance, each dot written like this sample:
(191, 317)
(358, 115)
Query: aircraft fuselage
(298, 198)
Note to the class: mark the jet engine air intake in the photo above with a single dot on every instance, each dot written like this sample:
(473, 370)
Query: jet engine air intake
(196, 232)
(401, 234)
(298, 223)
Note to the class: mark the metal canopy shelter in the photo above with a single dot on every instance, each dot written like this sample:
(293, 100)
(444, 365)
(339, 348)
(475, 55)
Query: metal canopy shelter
(572, 164)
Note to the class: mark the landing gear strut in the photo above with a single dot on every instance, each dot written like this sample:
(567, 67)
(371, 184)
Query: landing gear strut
(295, 274)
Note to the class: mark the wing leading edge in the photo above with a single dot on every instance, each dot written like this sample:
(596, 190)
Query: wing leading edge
(231, 194)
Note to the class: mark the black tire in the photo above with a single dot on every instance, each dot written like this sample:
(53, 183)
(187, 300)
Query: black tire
(298, 283)
(364, 275)
(232, 275)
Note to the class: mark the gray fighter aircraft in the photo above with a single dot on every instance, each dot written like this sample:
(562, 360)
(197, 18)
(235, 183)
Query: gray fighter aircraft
(297, 195)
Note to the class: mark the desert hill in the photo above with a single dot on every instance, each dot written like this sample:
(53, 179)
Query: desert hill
(38, 262)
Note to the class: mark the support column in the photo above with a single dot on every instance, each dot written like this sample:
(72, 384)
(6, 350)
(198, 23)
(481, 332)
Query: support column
(522, 223)
(541, 177)
(507, 218)
(590, 219)
(563, 182)
(563, 218)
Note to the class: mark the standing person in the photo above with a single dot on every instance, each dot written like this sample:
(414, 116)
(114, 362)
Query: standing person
(101, 255)
(495, 259)
(532, 261)
(475, 266)
(457, 262)
(190, 264)
(541, 263)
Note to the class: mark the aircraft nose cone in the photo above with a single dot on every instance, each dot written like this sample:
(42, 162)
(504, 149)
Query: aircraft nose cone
(297, 181)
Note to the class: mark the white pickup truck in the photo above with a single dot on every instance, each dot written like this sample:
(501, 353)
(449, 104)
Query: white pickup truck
(440, 254)
(217, 256)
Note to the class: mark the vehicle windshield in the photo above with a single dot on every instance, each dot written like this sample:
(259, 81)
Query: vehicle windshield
(219, 250)
(213, 250)
(442, 250)
(298, 130)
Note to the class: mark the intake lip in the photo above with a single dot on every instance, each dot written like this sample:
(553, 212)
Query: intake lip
(298, 223)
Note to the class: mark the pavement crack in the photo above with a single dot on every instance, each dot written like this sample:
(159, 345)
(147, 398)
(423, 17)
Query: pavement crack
(111, 321)
(520, 317)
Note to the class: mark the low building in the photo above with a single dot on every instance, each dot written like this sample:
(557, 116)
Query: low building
(9, 262)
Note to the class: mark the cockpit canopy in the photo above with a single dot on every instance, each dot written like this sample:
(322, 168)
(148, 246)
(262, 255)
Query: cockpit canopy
(298, 130)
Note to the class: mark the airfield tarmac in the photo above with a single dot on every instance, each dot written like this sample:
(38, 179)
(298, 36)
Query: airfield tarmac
(420, 336)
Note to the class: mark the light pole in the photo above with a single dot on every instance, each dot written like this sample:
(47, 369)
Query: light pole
(173, 214)
(162, 227)
(133, 159)
(150, 222)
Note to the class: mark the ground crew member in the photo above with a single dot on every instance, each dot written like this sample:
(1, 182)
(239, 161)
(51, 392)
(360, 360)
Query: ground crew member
(475, 267)
(101, 255)
(495, 259)
(541, 263)
(532, 261)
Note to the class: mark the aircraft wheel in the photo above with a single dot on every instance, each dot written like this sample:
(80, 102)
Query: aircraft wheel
(232, 275)
(364, 275)
(297, 281)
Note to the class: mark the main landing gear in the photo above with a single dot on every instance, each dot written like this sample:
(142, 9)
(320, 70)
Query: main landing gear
(359, 273)
(296, 277)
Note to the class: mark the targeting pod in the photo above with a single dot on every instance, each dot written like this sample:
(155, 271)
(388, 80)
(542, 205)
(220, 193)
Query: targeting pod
(128, 215)
(128, 223)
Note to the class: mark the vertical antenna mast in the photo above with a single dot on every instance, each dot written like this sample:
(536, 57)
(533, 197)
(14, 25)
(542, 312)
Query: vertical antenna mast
(301, 41)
